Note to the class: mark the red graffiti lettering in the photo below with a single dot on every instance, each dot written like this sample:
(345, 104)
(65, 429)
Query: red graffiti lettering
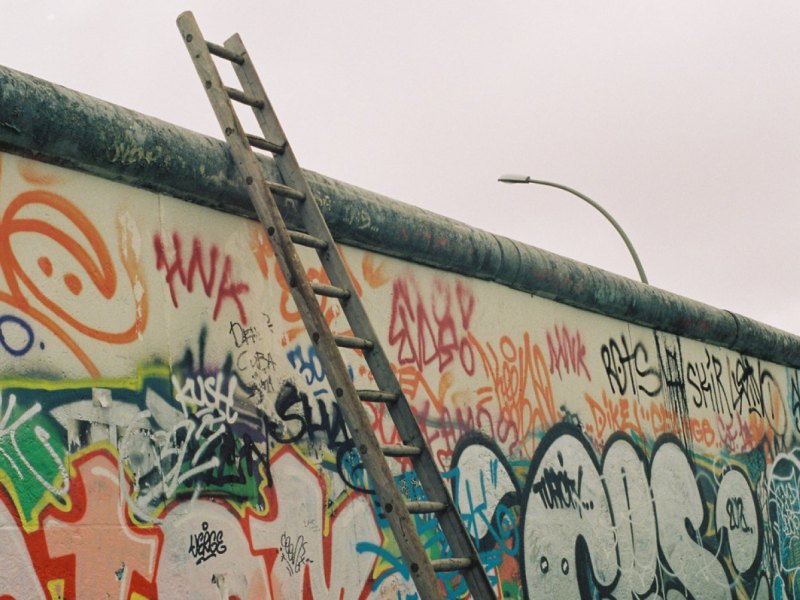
(199, 267)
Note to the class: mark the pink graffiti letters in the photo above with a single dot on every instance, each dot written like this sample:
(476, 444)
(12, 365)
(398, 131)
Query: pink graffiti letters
(567, 352)
(427, 332)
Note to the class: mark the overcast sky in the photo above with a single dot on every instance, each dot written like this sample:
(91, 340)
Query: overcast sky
(682, 118)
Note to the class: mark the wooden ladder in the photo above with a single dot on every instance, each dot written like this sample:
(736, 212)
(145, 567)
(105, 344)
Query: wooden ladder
(463, 556)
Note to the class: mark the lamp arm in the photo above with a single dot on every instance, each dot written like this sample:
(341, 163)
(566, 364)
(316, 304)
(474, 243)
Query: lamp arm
(606, 214)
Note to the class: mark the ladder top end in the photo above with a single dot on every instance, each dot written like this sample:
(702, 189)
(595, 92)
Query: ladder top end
(235, 40)
(186, 15)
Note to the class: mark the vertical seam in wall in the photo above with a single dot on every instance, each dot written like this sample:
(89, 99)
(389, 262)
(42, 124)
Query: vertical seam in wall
(162, 299)
(734, 343)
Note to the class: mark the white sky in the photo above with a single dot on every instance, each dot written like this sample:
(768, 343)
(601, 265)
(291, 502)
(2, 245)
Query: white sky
(682, 118)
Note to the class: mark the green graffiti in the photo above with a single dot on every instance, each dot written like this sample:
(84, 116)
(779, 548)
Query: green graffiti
(168, 448)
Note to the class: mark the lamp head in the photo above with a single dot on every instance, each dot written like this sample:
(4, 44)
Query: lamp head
(515, 179)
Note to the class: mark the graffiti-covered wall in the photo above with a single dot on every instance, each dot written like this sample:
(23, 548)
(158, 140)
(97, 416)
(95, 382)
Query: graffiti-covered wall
(166, 430)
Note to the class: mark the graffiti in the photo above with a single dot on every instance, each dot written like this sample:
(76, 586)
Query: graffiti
(737, 390)
(707, 387)
(670, 358)
(629, 369)
(756, 389)
(320, 423)
(486, 494)
(196, 445)
(784, 512)
(736, 515)
(206, 544)
(514, 374)
(571, 417)
(549, 561)
(186, 443)
(235, 573)
(243, 336)
(293, 553)
(429, 332)
(18, 579)
(738, 433)
(298, 418)
(254, 366)
(212, 395)
(648, 420)
(794, 398)
(71, 249)
(307, 363)
(611, 536)
(186, 274)
(184, 453)
(374, 271)
(111, 555)
(267, 264)
(28, 458)
(567, 351)
(16, 336)
(314, 416)
(558, 490)
(330, 568)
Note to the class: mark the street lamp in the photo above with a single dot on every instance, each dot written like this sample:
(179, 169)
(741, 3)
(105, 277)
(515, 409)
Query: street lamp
(603, 211)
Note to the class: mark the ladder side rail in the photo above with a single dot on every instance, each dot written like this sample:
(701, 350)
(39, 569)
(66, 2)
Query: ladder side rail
(357, 420)
(427, 470)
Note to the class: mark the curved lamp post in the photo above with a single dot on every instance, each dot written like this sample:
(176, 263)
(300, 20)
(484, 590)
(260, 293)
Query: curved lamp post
(603, 211)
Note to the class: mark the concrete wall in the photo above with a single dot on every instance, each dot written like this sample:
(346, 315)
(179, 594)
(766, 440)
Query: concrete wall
(166, 430)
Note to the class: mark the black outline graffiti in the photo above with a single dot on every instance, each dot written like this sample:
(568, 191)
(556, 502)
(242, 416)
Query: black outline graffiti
(714, 543)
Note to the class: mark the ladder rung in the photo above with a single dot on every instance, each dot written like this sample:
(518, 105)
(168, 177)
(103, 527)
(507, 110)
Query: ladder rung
(377, 396)
(259, 142)
(423, 507)
(451, 564)
(285, 190)
(330, 290)
(400, 450)
(298, 237)
(353, 342)
(240, 96)
(223, 52)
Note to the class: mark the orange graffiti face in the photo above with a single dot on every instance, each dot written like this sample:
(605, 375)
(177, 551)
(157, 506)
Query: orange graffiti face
(59, 271)
(28, 263)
